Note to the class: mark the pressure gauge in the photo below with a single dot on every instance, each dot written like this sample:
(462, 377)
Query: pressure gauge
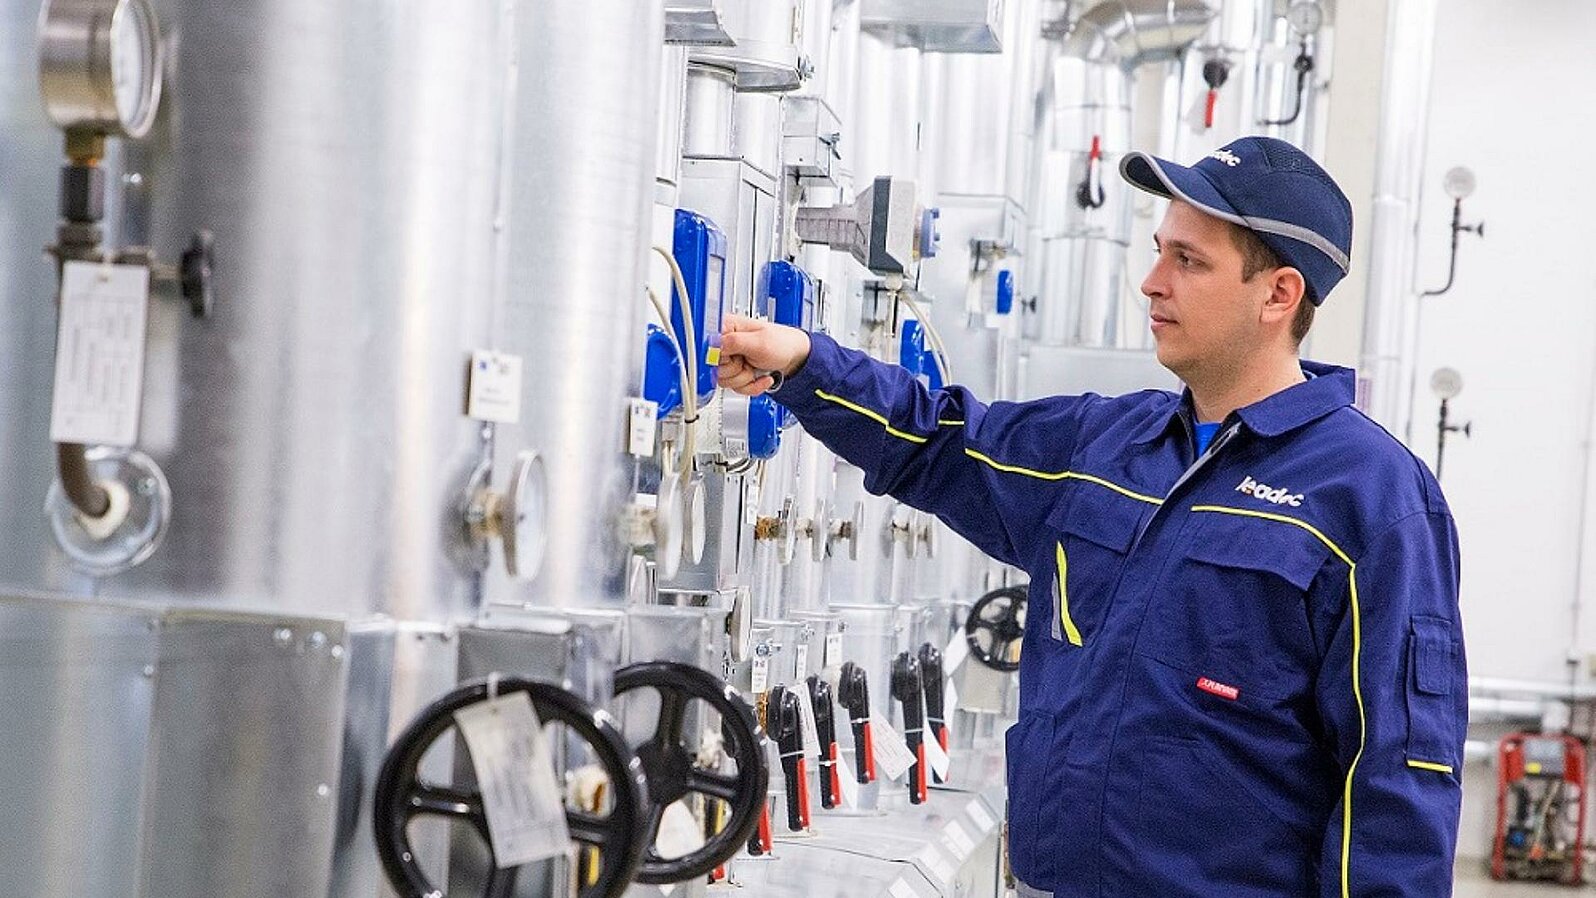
(525, 524)
(1305, 17)
(1459, 183)
(1446, 383)
(100, 65)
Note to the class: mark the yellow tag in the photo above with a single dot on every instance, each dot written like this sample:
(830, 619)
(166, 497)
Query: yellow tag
(712, 355)
(1533, 767)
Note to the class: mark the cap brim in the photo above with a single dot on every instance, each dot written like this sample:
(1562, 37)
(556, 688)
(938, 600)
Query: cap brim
(1161, 177)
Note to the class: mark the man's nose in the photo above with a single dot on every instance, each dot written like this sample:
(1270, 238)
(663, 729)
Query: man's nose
(1155, 285)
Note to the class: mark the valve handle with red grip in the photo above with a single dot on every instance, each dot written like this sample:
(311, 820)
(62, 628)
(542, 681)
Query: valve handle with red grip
(784, 719)
(853, 693)
(932, 681)
(826, 729)
(909, 689)
(760, 842)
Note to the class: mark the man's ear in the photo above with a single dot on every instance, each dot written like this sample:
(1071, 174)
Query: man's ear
(1287, 289)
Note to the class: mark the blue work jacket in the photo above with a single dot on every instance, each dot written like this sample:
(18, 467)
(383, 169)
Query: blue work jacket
(1242, 675)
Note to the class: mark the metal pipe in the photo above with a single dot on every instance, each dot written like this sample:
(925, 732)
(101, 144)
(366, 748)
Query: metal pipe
(72, 465)
(707, 117)
(1534, 688)
(1386, 367)
(1087, 101)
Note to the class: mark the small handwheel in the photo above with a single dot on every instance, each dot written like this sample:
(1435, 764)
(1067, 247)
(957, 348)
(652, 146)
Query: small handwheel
(402, 795)
(996, 626)
(672, 773)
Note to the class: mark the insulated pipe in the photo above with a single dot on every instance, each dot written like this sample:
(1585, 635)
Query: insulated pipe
(1386, 368)
(672, 112)
(1086, 98)
(707, 114)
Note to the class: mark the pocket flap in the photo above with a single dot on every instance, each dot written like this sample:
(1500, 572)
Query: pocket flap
(1433, 648)
(1100, 516)
(1287, 550)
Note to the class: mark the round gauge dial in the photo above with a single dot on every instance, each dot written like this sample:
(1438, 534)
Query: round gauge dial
(100, 65)
(1459, 183)
(526, 525)
(1305, 17)
(1446, 383)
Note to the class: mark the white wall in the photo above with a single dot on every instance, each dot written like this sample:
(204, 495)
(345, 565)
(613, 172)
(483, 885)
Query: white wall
(1511, 101)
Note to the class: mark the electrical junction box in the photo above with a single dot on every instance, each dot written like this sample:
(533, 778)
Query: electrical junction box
(788, 295)
(700, 249)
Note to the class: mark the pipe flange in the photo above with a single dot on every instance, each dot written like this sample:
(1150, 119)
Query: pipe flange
(130, 532)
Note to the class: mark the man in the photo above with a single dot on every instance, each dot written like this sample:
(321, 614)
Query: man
(1243, 670)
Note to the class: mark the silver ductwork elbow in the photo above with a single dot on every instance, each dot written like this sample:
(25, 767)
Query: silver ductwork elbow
(1083, 207)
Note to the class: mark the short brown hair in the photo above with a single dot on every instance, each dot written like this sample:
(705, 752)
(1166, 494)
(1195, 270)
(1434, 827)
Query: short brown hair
(1256, 257)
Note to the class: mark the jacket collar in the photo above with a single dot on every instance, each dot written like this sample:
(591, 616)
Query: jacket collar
(1327, 389)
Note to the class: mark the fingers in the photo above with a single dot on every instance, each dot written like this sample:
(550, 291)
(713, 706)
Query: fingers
(747, 382)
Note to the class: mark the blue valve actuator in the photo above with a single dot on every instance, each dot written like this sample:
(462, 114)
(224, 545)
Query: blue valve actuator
(1005, 292)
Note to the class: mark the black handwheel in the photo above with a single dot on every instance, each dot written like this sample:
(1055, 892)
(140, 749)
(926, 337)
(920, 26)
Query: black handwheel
(401, 794)
(672, 775)
(995, 627)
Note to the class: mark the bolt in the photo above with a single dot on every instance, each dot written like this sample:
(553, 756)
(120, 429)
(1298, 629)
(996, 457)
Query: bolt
(149, 670)
(283, 637)
(146, 486)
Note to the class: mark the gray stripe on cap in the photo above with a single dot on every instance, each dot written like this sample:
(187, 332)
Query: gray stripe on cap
(1024, 891)
(1298, 232)
(1267, 225)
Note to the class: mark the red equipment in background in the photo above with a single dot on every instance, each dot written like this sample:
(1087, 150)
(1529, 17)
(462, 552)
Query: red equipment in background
(1540, 808)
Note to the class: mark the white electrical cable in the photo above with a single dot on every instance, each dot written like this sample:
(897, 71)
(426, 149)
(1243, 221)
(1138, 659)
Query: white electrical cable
(689, 393)
(687, 313)
(939, 350)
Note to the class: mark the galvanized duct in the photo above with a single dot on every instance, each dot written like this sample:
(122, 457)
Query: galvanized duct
(1087, 97)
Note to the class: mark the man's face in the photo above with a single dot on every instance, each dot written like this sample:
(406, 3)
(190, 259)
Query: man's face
(1203, 314)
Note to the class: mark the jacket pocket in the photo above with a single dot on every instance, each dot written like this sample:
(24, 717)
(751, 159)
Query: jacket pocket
(1202, 830)
(1434, 686)
(1092, 532)
(1027, 746)
(1235, 606)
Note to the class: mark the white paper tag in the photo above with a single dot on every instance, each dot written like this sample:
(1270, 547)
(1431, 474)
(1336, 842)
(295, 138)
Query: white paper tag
(811, 732)
(848, 781)
(99, 354)
(750, 501)
(935, 756)
(680, 833)
(901, 889)
(833, 650)
(495, 389)
(936, 864)
(958, 840)
(642, 423)
(893, 757)
(761, 674)
(977, 812)
(955, 654)
(526, 818)
(802, 661)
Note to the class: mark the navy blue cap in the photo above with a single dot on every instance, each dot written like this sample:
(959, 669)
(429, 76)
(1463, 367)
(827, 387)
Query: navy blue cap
(1271, 188)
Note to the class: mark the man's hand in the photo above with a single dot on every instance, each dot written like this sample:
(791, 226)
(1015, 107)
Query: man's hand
(750, 350)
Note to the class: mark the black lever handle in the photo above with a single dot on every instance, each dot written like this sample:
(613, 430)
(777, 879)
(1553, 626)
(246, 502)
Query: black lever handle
(826, 729)
(853, 693)
(908, 688)
(932, 681)
(785, 718)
